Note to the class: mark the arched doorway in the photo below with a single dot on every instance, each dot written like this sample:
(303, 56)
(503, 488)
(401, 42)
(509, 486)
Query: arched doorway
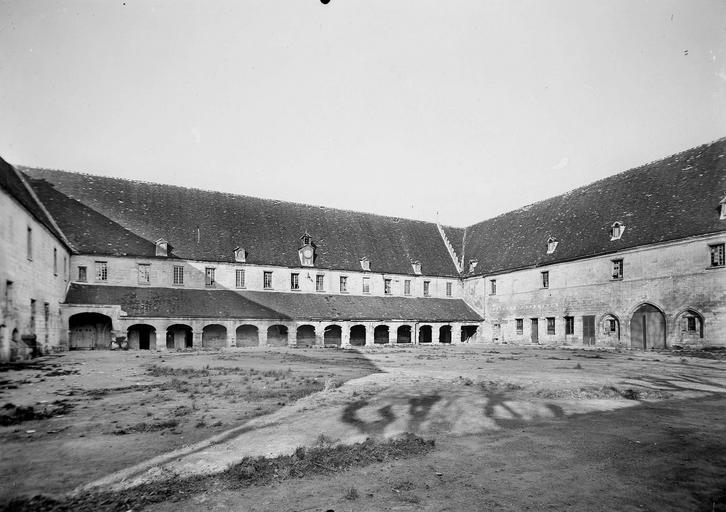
(358, 335)
(403, 334)
(610, 328)
(647, 328)
(468, 332)
(425, 334)
(380, 335)
(214, 336)
(141, 337)
(306, 336)
(179, 336)
(247, 336)
(333, 335)
(689, 326)
(277, 336)
(445, 334)
(89, 331)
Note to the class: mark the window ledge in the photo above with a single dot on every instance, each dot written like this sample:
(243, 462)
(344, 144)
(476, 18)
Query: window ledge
(716, 267)
(616, 278)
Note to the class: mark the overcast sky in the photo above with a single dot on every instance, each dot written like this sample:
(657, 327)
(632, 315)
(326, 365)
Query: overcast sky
(468, 108)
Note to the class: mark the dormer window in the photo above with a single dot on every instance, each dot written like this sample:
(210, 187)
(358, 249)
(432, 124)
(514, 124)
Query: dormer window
(723, 208)
(416, 265)
(307, 251)
(551, 245)
(162, 247)
(240, 255)
(616, 230)
(472, 265)
(365, 263)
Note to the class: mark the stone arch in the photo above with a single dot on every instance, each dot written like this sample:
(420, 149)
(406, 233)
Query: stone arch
(425, 334)
(380, 335)
(306, 336)
(647, 327)
(610, 327)
(333, 335)
(214, 336)
(358, 335)
(247, 336)
(403, 334)
(141, 337)
(89, 331)
(689, 325)
(179, 336)
(445, 334)
(277, 335)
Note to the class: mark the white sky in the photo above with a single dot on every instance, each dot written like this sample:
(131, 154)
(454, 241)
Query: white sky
(401, 107)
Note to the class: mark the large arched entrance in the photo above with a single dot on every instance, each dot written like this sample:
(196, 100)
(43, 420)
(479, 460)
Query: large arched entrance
(89, 331)
(358, 335)
(424, 334)
(380, 334)
(647, 328)
(141, 337)
(214, 336)
(306, 336)
(179, 336)
(445, 334)
(333, 335)
(247, 336)
(277, 336)
(403, 334)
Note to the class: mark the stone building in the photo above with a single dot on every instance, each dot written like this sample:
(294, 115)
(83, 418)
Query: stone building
(636, 260)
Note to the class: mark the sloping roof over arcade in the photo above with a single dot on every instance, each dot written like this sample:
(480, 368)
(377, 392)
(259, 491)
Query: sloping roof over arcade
(670, 199)
(207, 226)
(12, 182)
(175, 302)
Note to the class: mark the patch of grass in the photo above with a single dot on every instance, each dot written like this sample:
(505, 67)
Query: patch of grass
(145, 427)
(499, 387)
(351, 494)
(165, 371)
(249, 472)
(11, 414)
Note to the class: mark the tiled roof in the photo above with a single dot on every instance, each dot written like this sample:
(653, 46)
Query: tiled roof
(180, 302)
(12, 182)
(269, 230)
(89, 231)
(670, 199)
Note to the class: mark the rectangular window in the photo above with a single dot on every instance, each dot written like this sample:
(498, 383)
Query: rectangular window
(178, 275)
(32, 315)
(320, 282)
(366, 285)
(267, 280)
(343, 284)
(617, 269)
(546, 279)
(209, 276)
(30, 243)
(427, 288)
(101, 271)
(46, 313)
(387, 286)
(550, 325)
(520, 325)
(55, 261)
(239, 281)
(144, 273)
(82, 274)
(569, 325)
(691, 323)
(493, 287)
(294, 281)
(717, 255)
(448, 289)
(66, 270)
(407, 287)
(9, 296)
(612, 325)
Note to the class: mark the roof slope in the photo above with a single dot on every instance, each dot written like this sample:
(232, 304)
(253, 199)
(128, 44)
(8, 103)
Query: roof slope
(12, 182)
(670, 199)
(175, 302)
(269, 230)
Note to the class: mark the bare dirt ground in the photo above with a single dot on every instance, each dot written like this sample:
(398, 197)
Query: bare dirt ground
(515, 428)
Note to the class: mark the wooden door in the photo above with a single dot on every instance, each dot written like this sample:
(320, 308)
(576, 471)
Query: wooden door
(535, 330)
(588, 330)
(83, 337)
